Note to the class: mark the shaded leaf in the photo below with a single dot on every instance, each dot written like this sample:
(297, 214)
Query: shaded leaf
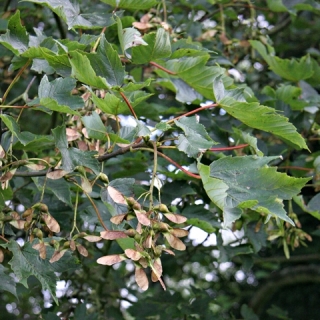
(196, 138)
(234, 184)
(56, 95)
(7, 282)
(294, 70)
(25, 262)
(72, 157)
(95, 127)
(16, 38)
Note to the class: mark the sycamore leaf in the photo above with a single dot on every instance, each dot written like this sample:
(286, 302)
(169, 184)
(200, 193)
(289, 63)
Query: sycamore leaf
(58, 61)
(158, 47)
(132, 4)
(263, 118)
(84, 72)
(107, 64)
(194, 72)
(293, 70)
(234, 184)
(95, 127)
(72, 157)
(128, 38)
(196, 138)
(16, 38)
(56, 95)
(69, 12)
(7, 282)
(25, 263)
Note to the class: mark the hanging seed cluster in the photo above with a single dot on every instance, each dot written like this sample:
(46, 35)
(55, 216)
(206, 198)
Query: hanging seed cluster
(152, 237)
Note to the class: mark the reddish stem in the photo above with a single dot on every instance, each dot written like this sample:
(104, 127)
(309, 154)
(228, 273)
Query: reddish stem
(196, 176)
(162, 68)
(4, 239)
(194, 111)
(240, 146)
(128, 104)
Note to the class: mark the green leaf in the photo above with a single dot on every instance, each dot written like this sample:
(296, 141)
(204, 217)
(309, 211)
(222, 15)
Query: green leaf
(56, 95)
(199, 217)
(107, 64)
(220, 92)
(7, 282)
(16, 38)
(142, 130)
(158, 47)
(113, 105)
(5, 194)
(132, 4)
(234, 184)
(249, 139)
(291, 95)
(95, 127)
(84, 72)
(72, 157)
(196, 74)
(184, 92)
(196, 138)
(264, 118)
(293, 70)
(313, 206)
(26, 262)
(59, 62)
(247, 313)
(276, 6)
(69, 12)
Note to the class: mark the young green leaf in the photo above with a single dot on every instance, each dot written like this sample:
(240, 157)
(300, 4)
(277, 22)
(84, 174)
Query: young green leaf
(16, 38)
(264, 118)
(158, 47)
(196, 138)
(25, 263)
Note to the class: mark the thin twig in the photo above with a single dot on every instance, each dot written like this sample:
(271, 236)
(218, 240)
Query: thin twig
(162, 68)
(16, 78)
(193, 111)
(128, 104)
(240, 146)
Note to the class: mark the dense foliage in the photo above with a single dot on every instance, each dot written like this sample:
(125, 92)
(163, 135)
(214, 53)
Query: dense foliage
(159, 159)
